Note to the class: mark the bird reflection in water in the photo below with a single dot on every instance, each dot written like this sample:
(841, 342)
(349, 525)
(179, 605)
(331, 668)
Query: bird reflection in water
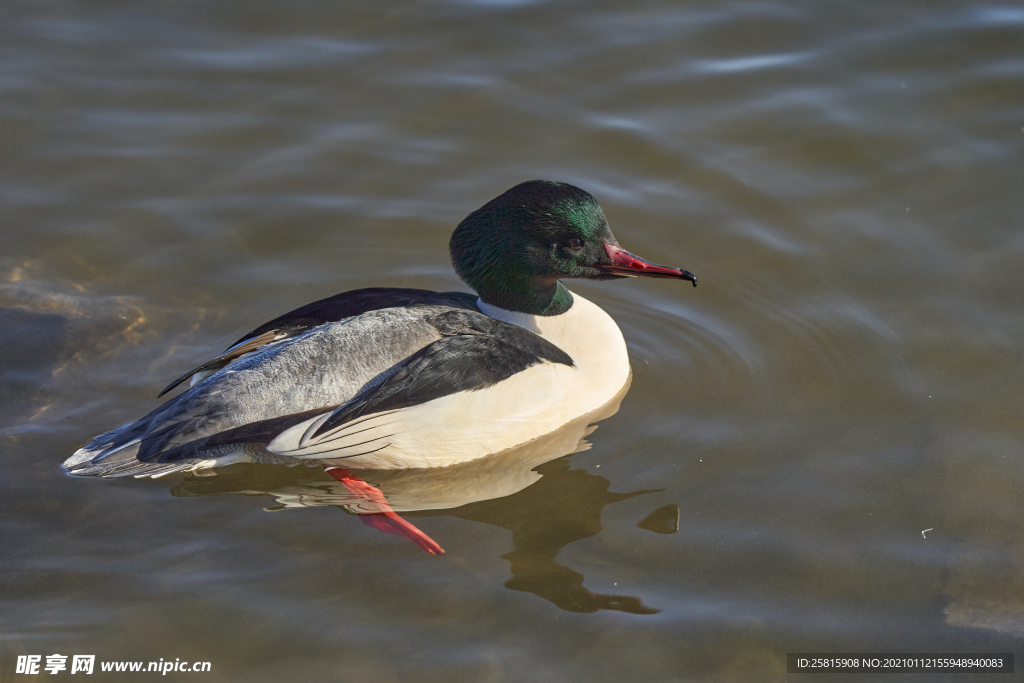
(530, 490)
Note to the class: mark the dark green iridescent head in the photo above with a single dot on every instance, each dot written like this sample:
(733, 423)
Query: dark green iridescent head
(516, 247)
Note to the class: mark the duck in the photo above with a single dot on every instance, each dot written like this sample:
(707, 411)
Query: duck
(398, 378)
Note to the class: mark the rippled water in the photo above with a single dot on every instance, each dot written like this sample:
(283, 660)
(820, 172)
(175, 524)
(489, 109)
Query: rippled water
(845, 178)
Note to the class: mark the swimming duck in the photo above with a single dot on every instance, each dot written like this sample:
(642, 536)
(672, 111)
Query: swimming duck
(386, 378)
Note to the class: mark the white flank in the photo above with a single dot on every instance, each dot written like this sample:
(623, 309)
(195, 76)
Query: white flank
(473, 424)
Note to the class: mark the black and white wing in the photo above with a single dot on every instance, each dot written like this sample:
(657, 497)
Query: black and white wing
(479, 360)
(332, 309)
(400, 362)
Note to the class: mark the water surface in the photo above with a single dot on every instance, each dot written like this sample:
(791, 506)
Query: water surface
(845, 179)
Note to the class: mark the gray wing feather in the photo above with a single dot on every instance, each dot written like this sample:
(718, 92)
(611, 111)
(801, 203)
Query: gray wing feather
(322, 368)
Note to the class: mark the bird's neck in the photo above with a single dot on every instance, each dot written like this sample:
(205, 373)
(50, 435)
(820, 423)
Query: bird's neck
(528, 296)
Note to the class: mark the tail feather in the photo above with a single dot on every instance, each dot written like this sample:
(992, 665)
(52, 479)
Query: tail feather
(134, 449)
(104, 446)
(116, 457)
(123, 452)
(124, 462)
(132, 469)
(117, 454)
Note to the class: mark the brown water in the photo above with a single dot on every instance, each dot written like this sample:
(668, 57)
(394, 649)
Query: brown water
(845, 178)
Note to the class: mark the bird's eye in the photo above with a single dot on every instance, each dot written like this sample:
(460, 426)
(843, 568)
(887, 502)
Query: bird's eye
(575, 243)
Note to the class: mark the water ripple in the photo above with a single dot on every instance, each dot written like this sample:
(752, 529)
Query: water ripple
(752, 63)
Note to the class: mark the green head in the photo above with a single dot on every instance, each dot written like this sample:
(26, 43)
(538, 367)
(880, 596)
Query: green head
(515, 248)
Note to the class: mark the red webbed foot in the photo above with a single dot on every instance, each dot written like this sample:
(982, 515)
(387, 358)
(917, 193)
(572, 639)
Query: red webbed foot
(387, 520)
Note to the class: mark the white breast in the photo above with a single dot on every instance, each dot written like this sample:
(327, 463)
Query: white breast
(472, 424)
(589, 336)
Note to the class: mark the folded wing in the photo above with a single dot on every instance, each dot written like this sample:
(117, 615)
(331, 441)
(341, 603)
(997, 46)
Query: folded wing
(332, 309)
(341, 389)
(480, 354)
